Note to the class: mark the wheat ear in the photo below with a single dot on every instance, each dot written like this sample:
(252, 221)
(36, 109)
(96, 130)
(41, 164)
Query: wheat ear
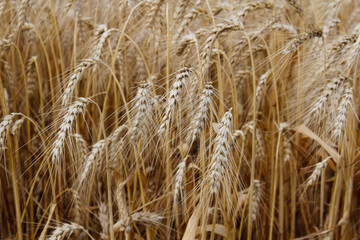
(67, 121)
(173, 101)
(316, 173)
(346, 102)
(64, 231)
(222, 153)
(4, 127)
(75, 78)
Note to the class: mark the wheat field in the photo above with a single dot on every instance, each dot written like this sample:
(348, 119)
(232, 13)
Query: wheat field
(154, 119)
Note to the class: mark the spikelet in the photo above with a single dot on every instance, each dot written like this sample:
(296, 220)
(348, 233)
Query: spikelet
(67, 121)
(345, 104)
(238, 134)
(16, 126)
(221, 155)
(4, 44)
(75, 78)
(64, 231)
(4, 127)
(173, 101)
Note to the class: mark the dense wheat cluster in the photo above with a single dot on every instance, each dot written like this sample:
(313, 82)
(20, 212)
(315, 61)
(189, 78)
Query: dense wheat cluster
(154, 119)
